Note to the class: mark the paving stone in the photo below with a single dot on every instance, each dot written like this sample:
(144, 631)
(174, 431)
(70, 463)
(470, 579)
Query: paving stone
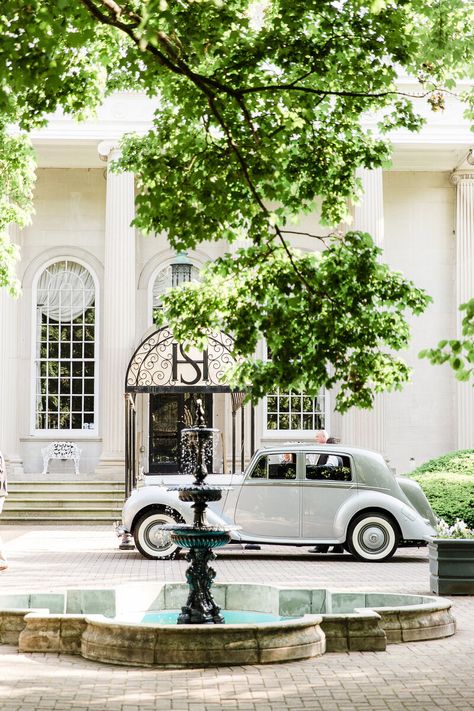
(436, 675)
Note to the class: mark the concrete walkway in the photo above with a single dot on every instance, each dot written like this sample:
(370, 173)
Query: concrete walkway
(414, 677)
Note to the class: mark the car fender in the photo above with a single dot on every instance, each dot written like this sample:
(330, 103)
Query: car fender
(411, 524)
(149, 496)
(417, 497)
(154, 496)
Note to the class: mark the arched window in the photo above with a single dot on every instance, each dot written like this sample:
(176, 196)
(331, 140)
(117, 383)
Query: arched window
(178, 272)
(65, 362)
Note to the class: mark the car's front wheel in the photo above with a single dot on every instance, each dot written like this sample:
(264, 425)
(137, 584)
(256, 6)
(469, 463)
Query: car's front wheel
(150, 538)
(372, 537)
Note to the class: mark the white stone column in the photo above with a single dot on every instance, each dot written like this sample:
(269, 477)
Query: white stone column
(9, 435)
(464, 182)
(365, 428)
(118, 320)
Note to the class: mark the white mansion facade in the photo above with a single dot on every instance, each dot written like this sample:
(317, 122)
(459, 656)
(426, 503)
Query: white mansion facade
(90, 284)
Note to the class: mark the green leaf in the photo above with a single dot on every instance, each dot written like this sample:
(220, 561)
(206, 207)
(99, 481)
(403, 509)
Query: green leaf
(253, 111)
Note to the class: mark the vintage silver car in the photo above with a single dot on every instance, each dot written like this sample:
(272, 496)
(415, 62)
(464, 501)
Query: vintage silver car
(298, 495)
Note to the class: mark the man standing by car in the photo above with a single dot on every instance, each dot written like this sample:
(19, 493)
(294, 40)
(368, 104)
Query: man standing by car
(330, 460)
(3, 494)
(321, 436)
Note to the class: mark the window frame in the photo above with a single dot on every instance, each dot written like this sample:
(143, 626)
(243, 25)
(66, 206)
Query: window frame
(280, 467)
(69, 432)
(300, 433)
(162, 266)
(328, 480)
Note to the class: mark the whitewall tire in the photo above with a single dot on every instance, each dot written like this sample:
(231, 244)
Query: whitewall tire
(372, 537)
(151, 540)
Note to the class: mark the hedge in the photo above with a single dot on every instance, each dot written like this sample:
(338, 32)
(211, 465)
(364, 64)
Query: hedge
(448, 483)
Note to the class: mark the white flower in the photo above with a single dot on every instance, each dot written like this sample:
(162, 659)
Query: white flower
(459, 529)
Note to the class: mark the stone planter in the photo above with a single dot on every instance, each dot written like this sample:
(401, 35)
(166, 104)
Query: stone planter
(452, 566)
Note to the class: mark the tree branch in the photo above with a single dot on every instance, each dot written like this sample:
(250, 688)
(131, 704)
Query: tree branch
(325, 92)
(171, 60)
(322, 238)
(127, 29)
(245, 170)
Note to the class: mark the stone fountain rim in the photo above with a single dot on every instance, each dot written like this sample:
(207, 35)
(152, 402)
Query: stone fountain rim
(301, 621)
(429, 601)
(107, 639)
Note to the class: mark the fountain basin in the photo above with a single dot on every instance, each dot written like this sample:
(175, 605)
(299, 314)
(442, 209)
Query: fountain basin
(186, 536)
(203, 492)
(104, 625)
(202, 645)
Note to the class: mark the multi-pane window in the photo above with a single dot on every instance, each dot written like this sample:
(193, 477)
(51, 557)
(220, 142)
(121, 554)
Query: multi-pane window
(65, 348)
(295, 411)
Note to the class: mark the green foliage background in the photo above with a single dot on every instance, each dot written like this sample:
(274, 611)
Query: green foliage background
(261, 119)
(448, 483)
(459, 352)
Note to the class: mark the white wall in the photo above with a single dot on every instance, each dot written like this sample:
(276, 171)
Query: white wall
(419, 241)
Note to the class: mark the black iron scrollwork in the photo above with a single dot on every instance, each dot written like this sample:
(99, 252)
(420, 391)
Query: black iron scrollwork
(161, 362)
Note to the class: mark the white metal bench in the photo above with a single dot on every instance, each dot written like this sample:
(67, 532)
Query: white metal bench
(61, 450)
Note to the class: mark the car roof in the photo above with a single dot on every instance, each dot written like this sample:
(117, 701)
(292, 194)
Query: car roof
(356, 452)
(298, 446)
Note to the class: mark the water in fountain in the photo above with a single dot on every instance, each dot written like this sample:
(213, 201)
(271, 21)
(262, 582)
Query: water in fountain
(231, 617)
(188, 453)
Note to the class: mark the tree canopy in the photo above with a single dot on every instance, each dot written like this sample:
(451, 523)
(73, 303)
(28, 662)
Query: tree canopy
(260, 120)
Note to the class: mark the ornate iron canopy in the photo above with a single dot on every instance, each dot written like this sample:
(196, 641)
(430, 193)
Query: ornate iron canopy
(160, 364)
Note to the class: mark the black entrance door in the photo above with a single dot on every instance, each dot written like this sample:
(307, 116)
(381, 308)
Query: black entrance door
(169, 413)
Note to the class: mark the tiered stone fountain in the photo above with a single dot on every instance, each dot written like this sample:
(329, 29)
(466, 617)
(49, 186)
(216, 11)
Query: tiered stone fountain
(199, 539)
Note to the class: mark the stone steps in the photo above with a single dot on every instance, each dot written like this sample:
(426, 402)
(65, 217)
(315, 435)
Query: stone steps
(26, 504)
(63, 502)
(59, 484)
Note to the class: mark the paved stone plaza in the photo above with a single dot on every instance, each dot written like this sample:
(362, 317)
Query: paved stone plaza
(413, 677)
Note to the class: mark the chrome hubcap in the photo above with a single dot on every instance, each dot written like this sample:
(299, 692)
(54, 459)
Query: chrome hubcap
(157, 537)
(373, 538)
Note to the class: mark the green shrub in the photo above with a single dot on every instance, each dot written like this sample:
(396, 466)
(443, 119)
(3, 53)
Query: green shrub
(461, 462)
(448, 483)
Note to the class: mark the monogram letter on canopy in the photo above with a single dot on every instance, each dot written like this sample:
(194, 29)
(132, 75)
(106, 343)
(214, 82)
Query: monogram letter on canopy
(187, 360)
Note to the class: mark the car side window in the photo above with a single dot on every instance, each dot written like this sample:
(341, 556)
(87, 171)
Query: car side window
(275, 466)
(260, 469)
(328, 467)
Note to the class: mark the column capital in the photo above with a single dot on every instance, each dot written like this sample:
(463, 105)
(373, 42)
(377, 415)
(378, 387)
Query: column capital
(108, 150)
(459, 176)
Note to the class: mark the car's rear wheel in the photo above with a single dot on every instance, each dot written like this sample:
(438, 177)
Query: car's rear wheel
(372, 537)
(150, 538)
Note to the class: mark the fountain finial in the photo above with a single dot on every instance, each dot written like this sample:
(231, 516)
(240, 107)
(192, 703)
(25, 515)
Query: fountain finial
(200, 416)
